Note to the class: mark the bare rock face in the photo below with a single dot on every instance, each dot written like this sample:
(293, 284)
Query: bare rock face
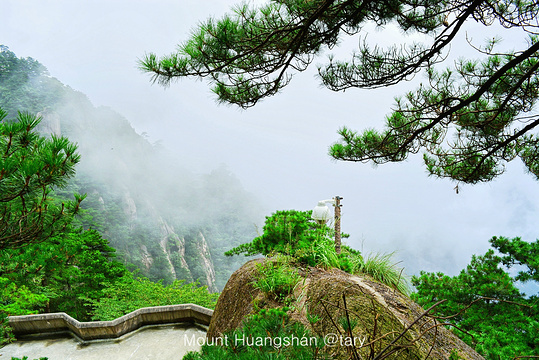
(388, 323)
(147, 259)
(207, 263)
(168, 235)
(129, 206)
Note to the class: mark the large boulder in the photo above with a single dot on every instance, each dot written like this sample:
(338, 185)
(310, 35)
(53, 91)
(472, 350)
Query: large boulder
(388, 323)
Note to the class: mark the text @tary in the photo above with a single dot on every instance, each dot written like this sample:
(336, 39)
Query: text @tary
(330, 340)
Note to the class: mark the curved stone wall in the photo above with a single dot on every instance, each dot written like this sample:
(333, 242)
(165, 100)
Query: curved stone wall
(54, 323)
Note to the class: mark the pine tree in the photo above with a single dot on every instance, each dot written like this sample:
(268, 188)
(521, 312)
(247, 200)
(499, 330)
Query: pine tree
(31, 165)
(469, 120)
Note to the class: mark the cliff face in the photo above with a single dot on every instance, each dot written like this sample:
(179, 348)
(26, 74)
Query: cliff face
(153, 244)
(388, 323)
(172, 245)
(147, 207)
(207, 263)
(165, 220)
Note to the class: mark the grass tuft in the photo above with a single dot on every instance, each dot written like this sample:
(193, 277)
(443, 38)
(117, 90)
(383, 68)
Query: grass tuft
(382, 268)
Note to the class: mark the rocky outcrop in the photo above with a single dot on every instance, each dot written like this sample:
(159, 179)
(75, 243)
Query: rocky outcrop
(207, 263)
(162, 245)
(386, 319)
(172, 244)
(146, 257)
(129, 206)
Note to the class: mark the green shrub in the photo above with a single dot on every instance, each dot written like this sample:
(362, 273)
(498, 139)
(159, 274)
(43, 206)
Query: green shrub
(267, 335)
(287, 232)
(130, 294)
(349, 260)
(277, 279)
(6, 335)
(382, 268)
(293, 233)
(19, 300)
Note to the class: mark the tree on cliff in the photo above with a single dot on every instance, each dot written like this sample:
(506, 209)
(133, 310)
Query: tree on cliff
(30, 167)
(25, 84)
(469, 120)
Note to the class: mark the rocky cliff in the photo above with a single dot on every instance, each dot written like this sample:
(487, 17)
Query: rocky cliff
(165, 220)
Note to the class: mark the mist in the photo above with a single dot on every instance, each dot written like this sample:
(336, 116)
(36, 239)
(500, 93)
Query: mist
(276, 150)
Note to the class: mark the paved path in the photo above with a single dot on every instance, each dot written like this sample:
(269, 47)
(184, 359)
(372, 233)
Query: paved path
(155, 342)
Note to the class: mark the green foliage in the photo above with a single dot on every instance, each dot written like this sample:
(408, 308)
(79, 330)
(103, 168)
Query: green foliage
(18, 299)
(129, 294)
(288, 232)
(293, 233)
(75, 272)
(454, 355)
(30, 165)
(347, 324)
(253, 52)
(278, 279)
(63, 273)
(26, 358)
(483, 301)
(382, 268)
(469, 119)
(520, 253)
(6, 334)
(349, 260)
(18, 90)
(267, 335)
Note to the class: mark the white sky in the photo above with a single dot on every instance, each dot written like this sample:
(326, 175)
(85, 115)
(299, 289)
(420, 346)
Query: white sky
(278, 149)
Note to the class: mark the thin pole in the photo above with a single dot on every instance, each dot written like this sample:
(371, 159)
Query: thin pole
(338, 224)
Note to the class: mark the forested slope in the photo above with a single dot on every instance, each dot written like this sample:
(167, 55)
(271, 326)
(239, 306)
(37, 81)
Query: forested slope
(163, 219)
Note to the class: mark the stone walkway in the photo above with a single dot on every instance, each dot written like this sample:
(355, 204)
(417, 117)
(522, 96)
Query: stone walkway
(153, 342)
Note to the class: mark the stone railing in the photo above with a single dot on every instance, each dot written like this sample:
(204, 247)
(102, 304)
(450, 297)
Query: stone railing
(55, 323)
